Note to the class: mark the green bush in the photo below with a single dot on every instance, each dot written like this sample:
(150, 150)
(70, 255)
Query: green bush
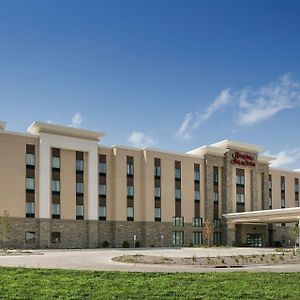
(125, 244)
(137, 244)
(105, 244)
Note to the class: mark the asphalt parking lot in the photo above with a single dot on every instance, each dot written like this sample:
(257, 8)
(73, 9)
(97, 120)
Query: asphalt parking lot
(101, 260)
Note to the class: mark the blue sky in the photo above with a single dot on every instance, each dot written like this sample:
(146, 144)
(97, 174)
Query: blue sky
(173, 75)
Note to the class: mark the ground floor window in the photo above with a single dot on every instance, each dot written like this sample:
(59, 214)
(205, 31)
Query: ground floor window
(55, 237)
(217, 238)
(29, 237)
(178, 237)
(197, 238)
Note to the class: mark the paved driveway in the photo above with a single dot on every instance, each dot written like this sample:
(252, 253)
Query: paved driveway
(100, 259)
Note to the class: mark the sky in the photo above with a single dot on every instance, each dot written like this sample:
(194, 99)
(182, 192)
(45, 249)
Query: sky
(167, 74)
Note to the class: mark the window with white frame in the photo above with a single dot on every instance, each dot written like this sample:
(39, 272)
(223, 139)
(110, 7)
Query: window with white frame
(177, 193)
(30, 159)
(29, 183)
(240, 179)
(79, 165)
(177, 173)
(102, 168)
(197, 222)
(157, 191)
(196, 175)
(197, 195)
(55, 162)
(130, 191)
(55, 186)
(240, 198)
(79, 187)
(55, 209)
(157, 212)
(178, 221)
(178, 238)
(79, 210)
(102, 212)
(129, 212)
(130, 169)
(29, 209)
(102, 189)
(157, 171)
(197, 238)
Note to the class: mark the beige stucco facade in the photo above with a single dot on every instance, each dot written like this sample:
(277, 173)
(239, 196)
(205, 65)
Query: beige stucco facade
(161, 208)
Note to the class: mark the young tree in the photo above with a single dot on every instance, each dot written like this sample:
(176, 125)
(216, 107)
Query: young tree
(208, 231)
(4, 228)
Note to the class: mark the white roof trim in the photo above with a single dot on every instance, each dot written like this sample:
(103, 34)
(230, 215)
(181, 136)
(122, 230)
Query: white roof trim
(201, 151)
(38, 127)
(266, 159)
(227, 144)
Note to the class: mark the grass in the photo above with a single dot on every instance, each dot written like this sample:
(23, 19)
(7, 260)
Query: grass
(21, 283)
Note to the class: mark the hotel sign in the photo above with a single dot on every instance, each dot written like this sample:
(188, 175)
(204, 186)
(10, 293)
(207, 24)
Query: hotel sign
(242, 159)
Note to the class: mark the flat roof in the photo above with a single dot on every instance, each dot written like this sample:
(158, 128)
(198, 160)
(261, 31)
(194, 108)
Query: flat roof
(41, 127)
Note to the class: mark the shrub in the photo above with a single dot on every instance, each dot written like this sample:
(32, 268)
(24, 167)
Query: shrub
(137, 244)
(105, 244)
(125, 244)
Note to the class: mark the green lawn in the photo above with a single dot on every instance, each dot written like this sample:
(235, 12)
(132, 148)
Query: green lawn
(19, 283)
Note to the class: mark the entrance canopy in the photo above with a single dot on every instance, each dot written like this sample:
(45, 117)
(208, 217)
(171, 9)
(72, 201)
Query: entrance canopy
(283, 215)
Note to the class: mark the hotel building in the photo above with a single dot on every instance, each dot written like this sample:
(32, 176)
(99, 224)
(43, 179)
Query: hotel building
(63, 189)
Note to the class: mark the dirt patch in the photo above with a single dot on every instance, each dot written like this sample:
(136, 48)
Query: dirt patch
(215, 262)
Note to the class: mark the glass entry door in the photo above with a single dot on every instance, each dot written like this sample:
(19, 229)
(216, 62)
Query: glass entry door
(254, 240)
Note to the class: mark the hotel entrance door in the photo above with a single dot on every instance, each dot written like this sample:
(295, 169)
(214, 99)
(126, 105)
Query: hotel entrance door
(254, 240)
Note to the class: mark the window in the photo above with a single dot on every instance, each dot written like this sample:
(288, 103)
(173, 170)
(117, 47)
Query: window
(29, 183)
(29, 209)
(297, 203)
(270, 184)
(55, 238)
(55, 186)
(197, 175)
(79, 211)
(240, 179)
(178, 193)
(282, 183)
(130, 191)
(178, 221)
(197, 222)
(157, 191)
(270, 202)
(197, 238)
(102, 190)
(157, 171)
(130, 214)
(296, 188)
(240, 198)
(282, 203)
(55, 162)
(217, 238)
(102, 168)
(216, 197)
(79, 187)
(157, 212)
(102, 212)
(217, 223)
(29, 237)
(177, 173)
(55, 209)
(197, 195)
(30, 159)
(79, 165)
(130, 169)
(178, 237)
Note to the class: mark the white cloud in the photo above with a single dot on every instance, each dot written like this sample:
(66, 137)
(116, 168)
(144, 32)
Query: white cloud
(285, 157)
(76, 120)
(250, 105)
(262, 104)
(139, 139)
(193, 120)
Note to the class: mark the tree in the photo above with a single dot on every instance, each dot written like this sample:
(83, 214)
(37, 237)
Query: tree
(4, 228)
(208, 231)
(294, 234)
